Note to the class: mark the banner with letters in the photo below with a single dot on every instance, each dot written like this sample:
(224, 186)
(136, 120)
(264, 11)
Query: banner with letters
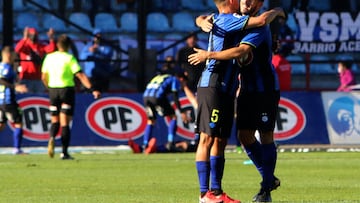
(327, 32)
(303, 118)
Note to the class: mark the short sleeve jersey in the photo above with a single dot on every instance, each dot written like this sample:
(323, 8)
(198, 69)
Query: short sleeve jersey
(225, 34)
(61, 68)
(7, 94)
(259, 75)
(162, 85)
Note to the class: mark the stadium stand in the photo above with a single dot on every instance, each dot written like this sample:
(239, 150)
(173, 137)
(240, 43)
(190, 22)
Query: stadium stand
(106, 22)
(297, 64)
(27, 19)
(118, 6)
(323, 67)
(80, 19)
(128, 22)
(183, 22)
(193, 5)
(158, 22)
(44, 3)
(1, 22)
(210, 4)
(51, 21)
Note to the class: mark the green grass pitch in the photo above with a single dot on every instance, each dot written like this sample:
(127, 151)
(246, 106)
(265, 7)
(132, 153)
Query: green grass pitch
(124, 177)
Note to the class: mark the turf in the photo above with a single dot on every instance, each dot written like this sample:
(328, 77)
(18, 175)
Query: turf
(171, 178)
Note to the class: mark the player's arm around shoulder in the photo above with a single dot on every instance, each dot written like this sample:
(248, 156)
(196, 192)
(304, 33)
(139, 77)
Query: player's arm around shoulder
(205, 22)
(265, 18)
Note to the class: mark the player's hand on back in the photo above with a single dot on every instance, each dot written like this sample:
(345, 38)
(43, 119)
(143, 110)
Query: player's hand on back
(198, 57)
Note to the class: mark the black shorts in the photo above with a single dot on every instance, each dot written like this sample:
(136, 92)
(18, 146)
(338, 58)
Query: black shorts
(257, 111)
(59, 96)
(160, 106)
(215, 114)
(10, 112)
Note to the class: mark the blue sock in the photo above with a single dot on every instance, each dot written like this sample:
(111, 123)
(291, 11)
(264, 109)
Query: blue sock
(269, 162)
(217, 170)
(254, 152)
(147, 134)
(172, 130)
(203, 169)
(18, 134)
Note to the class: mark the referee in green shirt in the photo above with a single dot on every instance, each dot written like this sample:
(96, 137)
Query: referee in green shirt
(59, 69)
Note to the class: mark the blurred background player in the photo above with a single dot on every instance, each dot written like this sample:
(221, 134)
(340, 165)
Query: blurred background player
(31, 52)
(157, 103)
(58, 72)
(9, 108)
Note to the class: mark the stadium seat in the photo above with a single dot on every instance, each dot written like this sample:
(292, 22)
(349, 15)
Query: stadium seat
(128, 22)
(118, 6)
(27, 19)
(173, 36)
(157, 22)
(44, 3)
(80, 19)
(194, 5)
(106, 22)
(183, 22)
(51, 21)
(297, 64)
(18, 5)
(211, 5)
(323, 66)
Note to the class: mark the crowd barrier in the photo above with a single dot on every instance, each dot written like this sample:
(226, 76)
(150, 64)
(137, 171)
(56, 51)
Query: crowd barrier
(303, 118)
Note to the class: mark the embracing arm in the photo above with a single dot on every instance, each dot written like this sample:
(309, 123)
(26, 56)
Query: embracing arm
(235, 52)
(265, 18)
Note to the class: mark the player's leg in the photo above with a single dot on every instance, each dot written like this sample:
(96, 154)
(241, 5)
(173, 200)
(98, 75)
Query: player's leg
(246, 124)
(67, 96)
(202, 155)
(14, 115)
(151, 119)
(55, 122)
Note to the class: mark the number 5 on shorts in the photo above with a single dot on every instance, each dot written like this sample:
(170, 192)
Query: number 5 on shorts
(215, 115)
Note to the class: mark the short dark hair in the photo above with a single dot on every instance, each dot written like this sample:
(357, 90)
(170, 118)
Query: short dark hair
(347, 64)
(64, 41)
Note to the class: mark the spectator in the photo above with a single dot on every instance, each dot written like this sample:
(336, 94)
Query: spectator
(283, 68)
(58, 72)
(285, 36)
(347, 77)
(98, 68)
(9, 108)
(31, 53)
(193, 72)
(77, 6)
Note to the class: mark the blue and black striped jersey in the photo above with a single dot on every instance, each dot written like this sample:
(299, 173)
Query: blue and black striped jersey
(7, 94)
(259, 75)
(225, 34)
(162, 85)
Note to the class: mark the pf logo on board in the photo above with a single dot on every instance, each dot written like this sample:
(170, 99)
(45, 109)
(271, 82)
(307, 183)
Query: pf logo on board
(290, 121)
(36, 118)
(116, 118)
